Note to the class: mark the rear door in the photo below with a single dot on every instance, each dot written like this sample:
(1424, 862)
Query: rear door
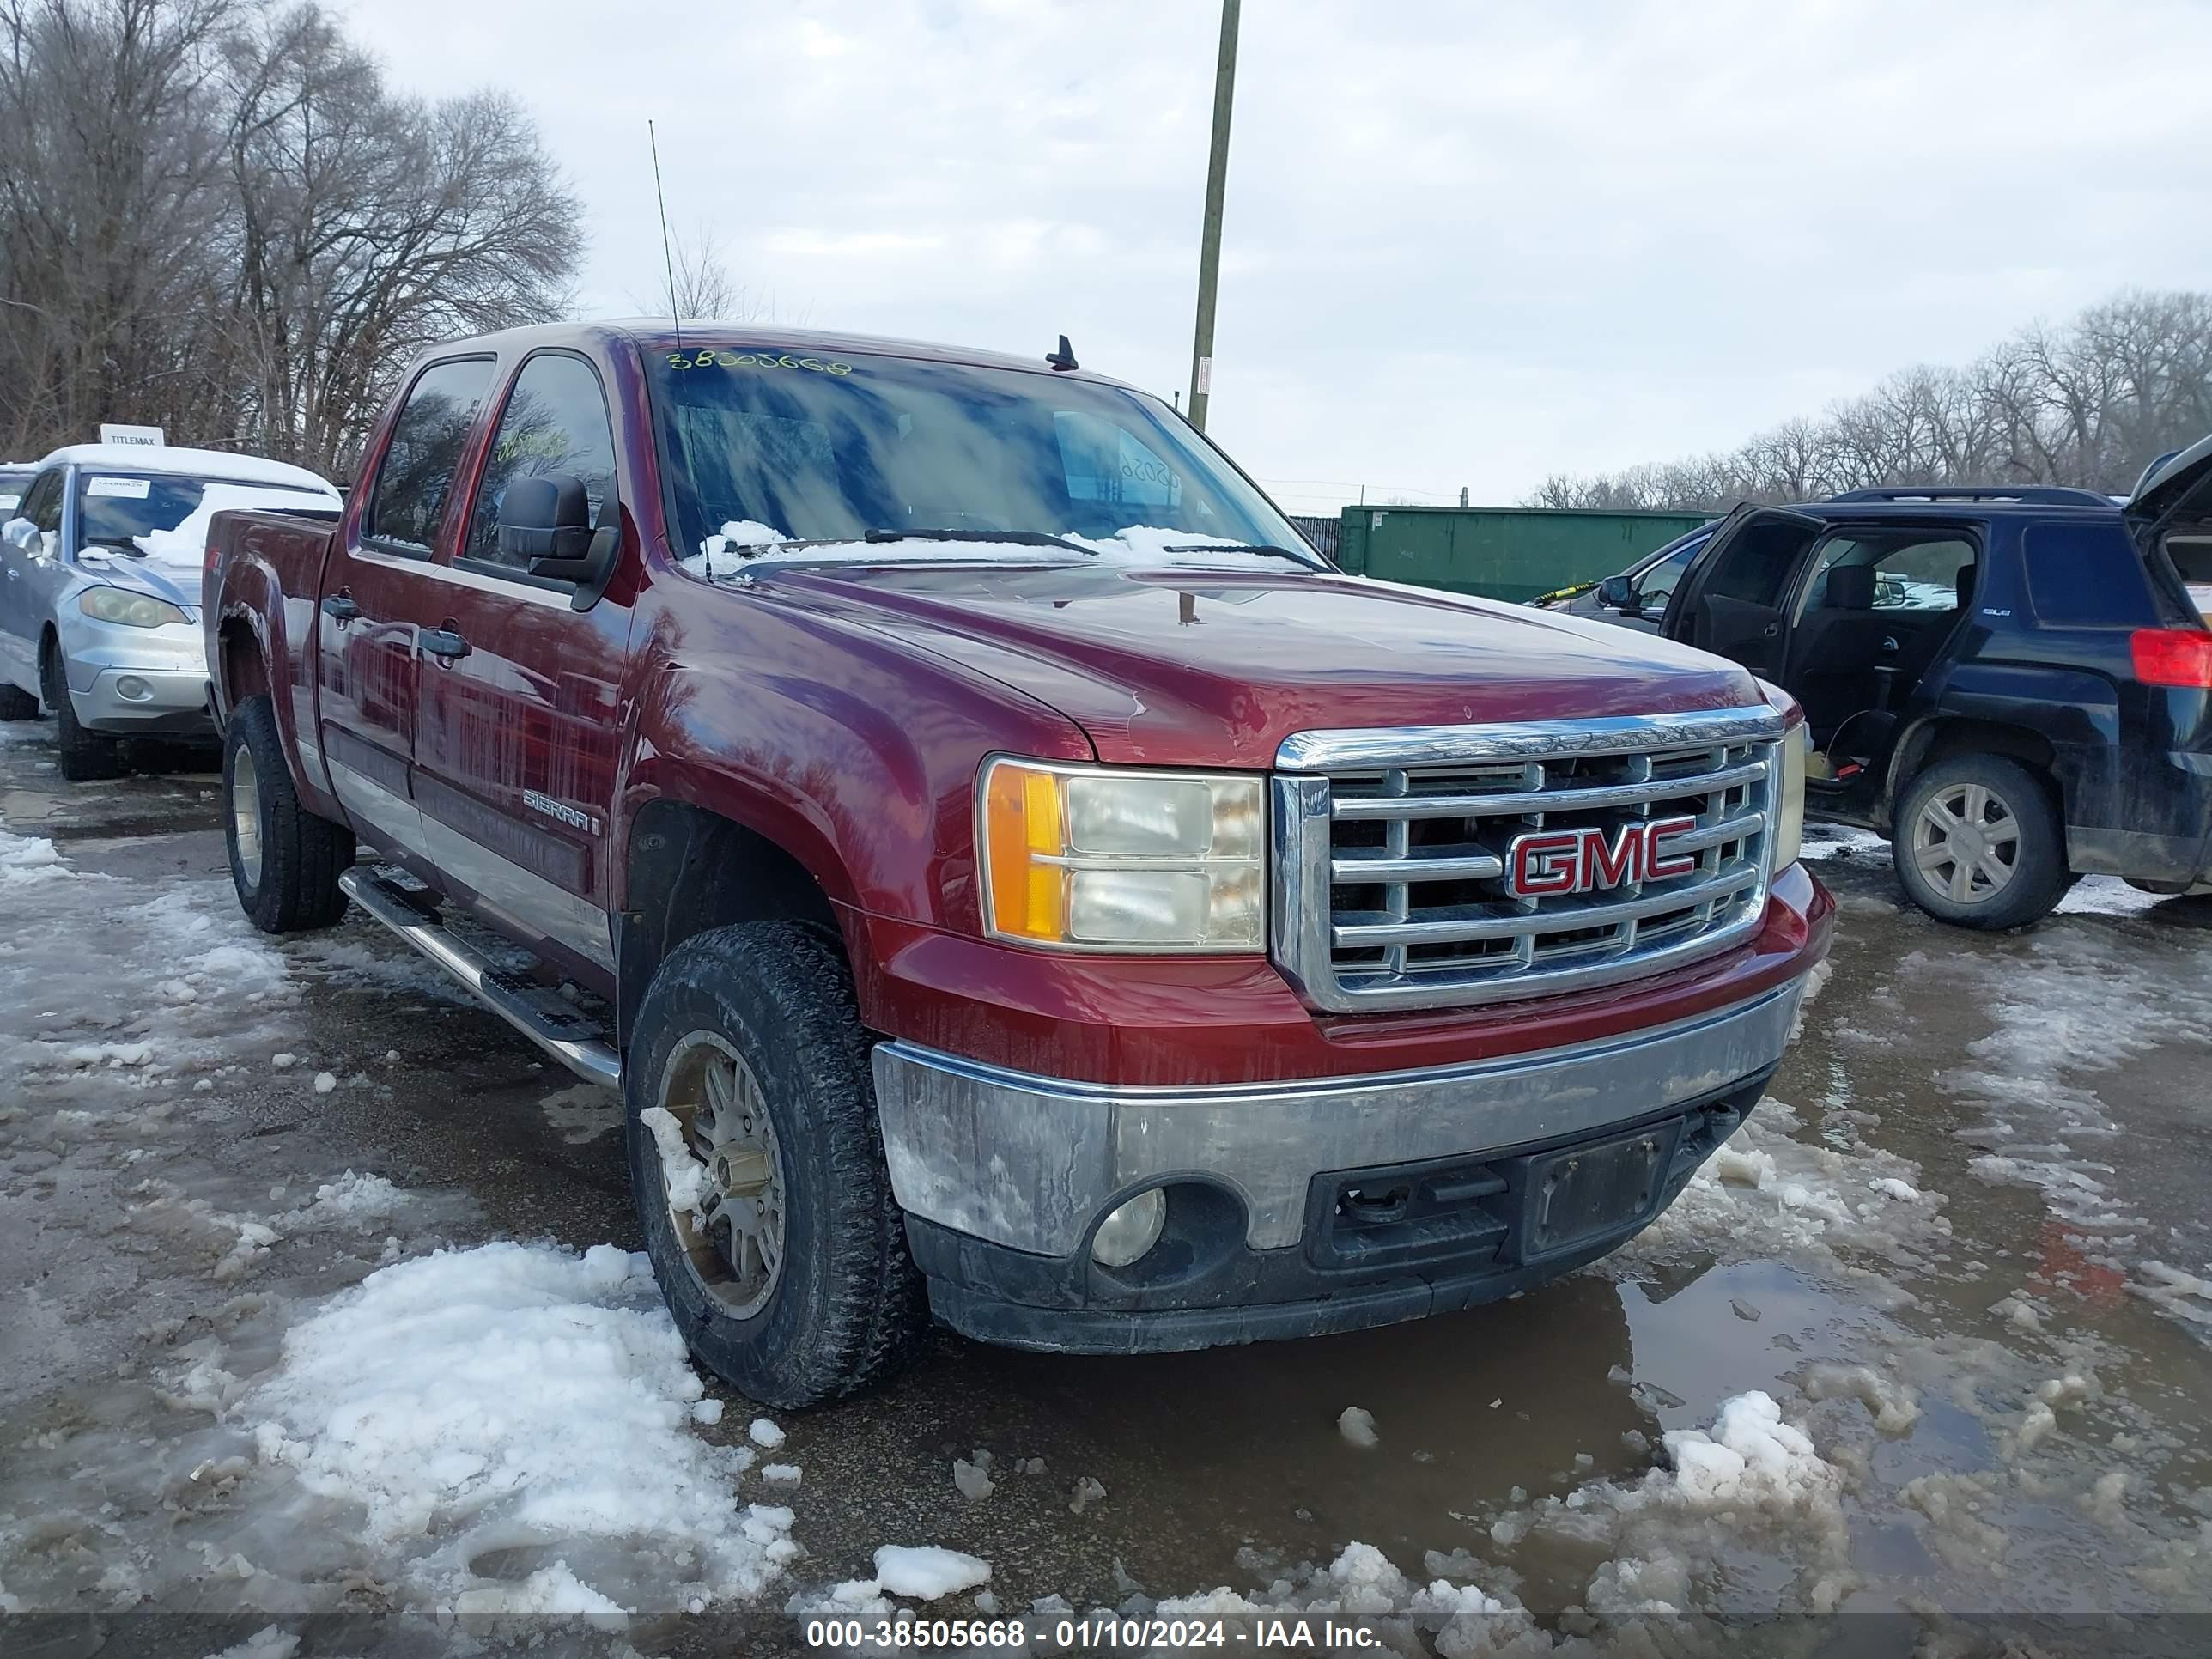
(1731, 601)
(2170, 519)
(520, 715)
(380, 594)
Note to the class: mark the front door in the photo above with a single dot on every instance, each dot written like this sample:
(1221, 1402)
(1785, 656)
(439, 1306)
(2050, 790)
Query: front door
(521, 717)
(378, 596)
(1732, 600)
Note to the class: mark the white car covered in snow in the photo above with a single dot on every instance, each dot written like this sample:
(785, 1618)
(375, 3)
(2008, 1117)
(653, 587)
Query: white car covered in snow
(99, 589)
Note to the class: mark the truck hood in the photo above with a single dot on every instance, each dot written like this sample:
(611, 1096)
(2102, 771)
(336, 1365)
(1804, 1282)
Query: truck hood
(1216, 668)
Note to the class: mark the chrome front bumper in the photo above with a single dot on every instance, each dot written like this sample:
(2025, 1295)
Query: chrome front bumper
(1032, 1163)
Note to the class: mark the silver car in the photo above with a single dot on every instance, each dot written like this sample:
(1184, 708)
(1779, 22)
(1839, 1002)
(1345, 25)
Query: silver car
(99, 589)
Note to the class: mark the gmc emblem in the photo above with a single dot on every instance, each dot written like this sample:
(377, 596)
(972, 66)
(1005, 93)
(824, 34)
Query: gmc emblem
(1552, 863)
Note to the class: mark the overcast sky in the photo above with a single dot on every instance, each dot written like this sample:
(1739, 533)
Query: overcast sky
(1466, 244)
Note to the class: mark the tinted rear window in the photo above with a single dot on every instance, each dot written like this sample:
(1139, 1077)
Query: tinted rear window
(2087, 575)
(417, 475)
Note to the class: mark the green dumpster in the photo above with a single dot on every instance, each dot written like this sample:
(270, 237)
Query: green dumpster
(1510, 553)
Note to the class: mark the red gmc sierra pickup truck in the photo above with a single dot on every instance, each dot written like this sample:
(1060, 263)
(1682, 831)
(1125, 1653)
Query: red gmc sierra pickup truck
(1016, 880)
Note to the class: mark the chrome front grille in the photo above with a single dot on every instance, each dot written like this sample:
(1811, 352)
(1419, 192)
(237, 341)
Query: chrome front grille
(1392, 882)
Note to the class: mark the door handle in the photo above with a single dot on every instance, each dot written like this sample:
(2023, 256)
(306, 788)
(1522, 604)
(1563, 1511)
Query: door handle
(1773, 630)
(341, 608)
(444, 642)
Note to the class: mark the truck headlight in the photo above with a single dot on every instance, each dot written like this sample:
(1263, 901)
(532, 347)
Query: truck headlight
(1101, 858)
(1789, 799)
(114, 605)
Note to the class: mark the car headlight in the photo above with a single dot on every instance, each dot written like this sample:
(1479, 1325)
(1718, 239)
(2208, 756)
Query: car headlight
(1790, 802)
(1101, 858)
(114, 605)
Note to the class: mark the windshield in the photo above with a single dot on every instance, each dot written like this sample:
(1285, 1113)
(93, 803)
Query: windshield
(803, 448)
(164, 516)
(14, 481)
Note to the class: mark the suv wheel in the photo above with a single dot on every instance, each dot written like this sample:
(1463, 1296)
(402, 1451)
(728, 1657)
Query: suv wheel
(17, 704)
(284, 861)
(1979, 843)
(758, 1170)
(84, 756)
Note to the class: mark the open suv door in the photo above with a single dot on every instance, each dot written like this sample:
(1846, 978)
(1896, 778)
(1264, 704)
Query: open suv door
(1732, 600)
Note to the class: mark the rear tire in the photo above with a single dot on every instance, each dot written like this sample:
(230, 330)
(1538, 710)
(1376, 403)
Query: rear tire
(284, 861)
(17, 704)
(1979, 843)
(767, 1008)
(85, 757)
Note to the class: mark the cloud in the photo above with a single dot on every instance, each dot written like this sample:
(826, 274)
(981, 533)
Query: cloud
(1464, 244)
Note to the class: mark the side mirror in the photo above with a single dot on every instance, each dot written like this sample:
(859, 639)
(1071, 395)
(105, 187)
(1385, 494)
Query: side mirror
(1615, 593)
(547, 522)
(19, 533)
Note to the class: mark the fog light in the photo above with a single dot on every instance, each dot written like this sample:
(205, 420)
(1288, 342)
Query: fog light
(1130, 1231)
(132, 689)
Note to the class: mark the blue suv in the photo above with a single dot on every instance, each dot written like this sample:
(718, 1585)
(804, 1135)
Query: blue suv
(2013, 684)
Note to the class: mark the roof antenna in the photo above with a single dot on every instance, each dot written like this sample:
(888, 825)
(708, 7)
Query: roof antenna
(653, 138)
(706, 547)
(1063, 358)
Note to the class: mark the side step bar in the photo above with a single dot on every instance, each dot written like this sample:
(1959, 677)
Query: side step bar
(576, 1042)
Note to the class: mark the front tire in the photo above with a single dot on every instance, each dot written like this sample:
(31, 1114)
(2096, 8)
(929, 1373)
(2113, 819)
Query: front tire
(85, 756)
(1979, 843)
(786, 1271)
(284, 861)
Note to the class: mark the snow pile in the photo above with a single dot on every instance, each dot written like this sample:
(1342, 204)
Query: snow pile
(1363, 1583)
(927, 1572)
(1750, 1475)
(509, 1396)
(1765, 1193)
(1751, 1459)
(1894, 1406)
(2184, 1296)
(26, 860)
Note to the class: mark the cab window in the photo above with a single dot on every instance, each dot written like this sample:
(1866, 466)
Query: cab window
(417, 476)
(555, 422)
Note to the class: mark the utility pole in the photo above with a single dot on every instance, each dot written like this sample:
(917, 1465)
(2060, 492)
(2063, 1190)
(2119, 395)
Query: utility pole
(1217, 181)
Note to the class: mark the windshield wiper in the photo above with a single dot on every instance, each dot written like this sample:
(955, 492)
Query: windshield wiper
(1305, 559)
(1015, 538)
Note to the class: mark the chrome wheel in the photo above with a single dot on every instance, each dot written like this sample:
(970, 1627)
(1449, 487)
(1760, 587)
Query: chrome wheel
(1965, 842)
(246, 815)
(734, 1239)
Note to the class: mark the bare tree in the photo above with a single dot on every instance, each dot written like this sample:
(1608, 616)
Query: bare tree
(217, 217)
(2088, 403)
(704, 287)
(110, 180)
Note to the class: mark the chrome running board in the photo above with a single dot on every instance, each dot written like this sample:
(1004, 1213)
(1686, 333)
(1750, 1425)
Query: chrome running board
(567, 1034)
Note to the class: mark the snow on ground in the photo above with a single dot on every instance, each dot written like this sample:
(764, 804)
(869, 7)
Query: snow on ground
(1842, 840)
(516, 1398)
(1766, 1194)
(2075, 1002)
(1655, 1544)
